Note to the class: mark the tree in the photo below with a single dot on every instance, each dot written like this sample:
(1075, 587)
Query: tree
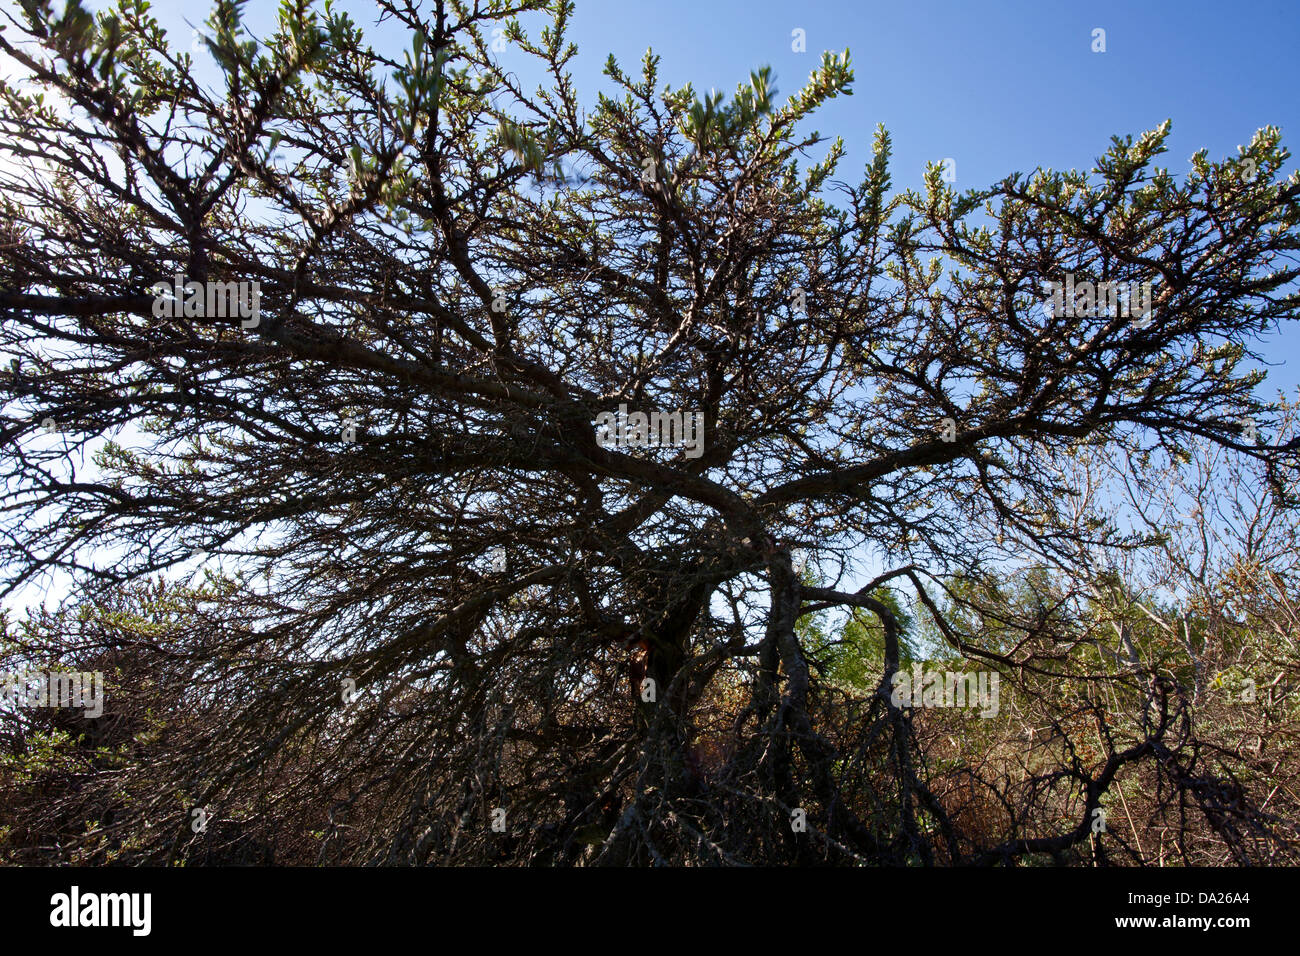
(446, 602)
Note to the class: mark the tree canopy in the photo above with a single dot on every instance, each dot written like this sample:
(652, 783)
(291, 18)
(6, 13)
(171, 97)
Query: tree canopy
(441, 619)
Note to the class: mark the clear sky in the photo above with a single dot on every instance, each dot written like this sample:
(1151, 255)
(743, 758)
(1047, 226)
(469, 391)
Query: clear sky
(998, 86)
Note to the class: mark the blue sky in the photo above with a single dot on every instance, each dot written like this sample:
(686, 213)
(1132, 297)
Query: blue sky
(997, 86)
